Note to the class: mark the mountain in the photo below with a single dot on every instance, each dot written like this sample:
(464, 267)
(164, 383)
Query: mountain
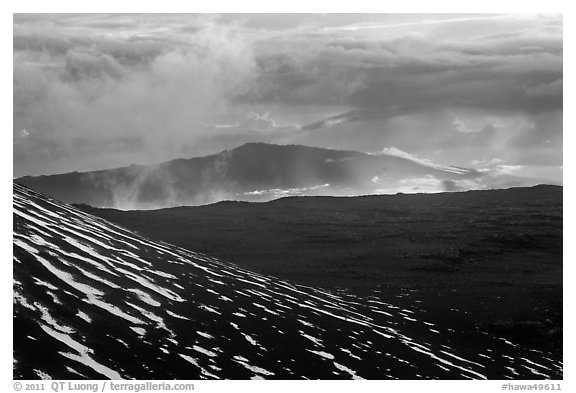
(251, 172)
(94, 300)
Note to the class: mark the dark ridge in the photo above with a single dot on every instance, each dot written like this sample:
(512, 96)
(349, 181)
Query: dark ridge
(518, 194)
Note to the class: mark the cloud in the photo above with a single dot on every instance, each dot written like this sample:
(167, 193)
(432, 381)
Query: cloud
(467, 95)
(393, 151)
(87, 97)
(412, 72)
(552, 89)
(256, 121)
(429, 184)
(331, 121)
(99, 91)
(531, 173)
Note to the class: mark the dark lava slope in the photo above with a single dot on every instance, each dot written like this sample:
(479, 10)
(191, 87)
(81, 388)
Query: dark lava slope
(94, 300)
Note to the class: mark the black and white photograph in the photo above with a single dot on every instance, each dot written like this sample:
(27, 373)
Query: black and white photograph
(288, 196)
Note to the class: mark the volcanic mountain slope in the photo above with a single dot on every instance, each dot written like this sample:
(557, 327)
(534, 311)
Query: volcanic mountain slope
(252, 172)
(94, 300)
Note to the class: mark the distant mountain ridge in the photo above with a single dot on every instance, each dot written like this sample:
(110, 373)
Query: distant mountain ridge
(251, 172)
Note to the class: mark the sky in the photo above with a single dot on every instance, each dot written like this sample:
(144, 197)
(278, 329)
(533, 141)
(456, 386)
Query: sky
(481, 91)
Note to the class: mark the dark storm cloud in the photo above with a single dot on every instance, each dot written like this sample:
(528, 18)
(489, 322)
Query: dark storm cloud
(414, 74)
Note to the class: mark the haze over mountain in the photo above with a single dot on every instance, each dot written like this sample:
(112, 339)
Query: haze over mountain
(260, 172)
(98, 301)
